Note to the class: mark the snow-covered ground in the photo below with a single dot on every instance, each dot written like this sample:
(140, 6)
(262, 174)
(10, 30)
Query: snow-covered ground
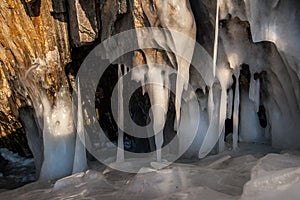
(252, 172)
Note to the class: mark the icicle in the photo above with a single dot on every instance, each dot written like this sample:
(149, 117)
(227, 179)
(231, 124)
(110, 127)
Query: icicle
(229, 104)
(120, 150)
(221, 141)
(213, 132)
(159, 97)
(210, 103)
(236, 112)
(215, 53)
(254, 91)
(222, 117)
(80, 162)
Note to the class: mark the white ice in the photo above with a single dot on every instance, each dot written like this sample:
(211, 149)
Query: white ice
(58, 136)
(80, 161)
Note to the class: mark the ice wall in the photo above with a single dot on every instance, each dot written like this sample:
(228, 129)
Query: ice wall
(276, 21)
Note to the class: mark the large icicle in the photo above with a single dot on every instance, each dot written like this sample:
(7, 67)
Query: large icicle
(229, 104)
(215, 53)
(120, 149)
(159, 98)
(80, 162)
(236, 111)
(212, 134)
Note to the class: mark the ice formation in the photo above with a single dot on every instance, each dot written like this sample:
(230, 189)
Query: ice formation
(270, 66)
(80, 162)
(249, 127)
(58, 137)
(181, 20)
(120, 150)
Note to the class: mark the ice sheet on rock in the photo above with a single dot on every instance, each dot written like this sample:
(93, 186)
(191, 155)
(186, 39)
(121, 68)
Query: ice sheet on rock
(81, 179)
(196, 193)
(274, 177)
(227, 177)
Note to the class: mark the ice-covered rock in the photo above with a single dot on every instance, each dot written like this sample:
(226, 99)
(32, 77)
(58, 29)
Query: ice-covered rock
(274, 176)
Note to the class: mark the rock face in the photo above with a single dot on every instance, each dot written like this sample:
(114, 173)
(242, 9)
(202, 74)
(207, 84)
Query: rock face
(40, 40)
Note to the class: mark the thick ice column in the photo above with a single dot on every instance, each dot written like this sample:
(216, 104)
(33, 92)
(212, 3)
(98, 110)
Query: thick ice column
(249, 127)
(58, 136)
(120, 149)
(80, 162)
(191, 119)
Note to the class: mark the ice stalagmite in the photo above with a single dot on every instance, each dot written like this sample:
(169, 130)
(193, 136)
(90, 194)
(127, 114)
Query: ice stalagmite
(80, 162)
(120, 149)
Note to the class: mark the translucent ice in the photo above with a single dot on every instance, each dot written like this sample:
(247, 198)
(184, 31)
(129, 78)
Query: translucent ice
(58, 136)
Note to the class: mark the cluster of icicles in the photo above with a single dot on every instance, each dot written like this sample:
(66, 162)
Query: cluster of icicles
(215, 105)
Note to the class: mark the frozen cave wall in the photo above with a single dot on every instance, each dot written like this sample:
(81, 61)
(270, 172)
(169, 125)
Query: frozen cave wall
(253, 78)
